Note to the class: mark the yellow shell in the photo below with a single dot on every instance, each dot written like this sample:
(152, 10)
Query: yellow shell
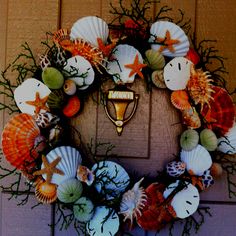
(46, 192)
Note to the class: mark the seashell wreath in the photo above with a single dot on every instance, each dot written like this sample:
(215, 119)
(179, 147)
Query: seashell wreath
(102, 197)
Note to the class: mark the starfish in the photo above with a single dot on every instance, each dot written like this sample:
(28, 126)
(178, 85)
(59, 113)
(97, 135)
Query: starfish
(167, 42)
(49, 169)
(106, 49)
(39, 103)
(136, 67)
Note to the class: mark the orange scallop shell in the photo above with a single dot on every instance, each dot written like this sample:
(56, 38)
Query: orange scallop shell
(219, 115)
(18, 139)
(46, 192)
(180, 100)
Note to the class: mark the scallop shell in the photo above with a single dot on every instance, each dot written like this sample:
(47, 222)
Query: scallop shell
(105, 171)
(122, 55)
(155, 59)
(45, 120)
(227, 143)
(104, 222)
(177, 73)
(186, 201)
(80, 71)
(69, 190)
(46, 192)
(175, 168)
(90, 28)
(18, 140)
(180, 100)
(27, 92)
(197, 160)
(70, 159)
(207, 179)
(159, 30)
(220, 113)
(83, 209)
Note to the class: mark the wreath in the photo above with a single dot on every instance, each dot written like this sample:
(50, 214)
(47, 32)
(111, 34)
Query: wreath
(96, 58)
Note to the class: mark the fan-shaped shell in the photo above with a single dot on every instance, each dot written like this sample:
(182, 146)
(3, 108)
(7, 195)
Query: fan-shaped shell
(27, 92)
(175, 169)
(180, 99)
(197, 160)
(90, 28)
(18, 139)
(184, 202)
(155, 59)
(177, 73)
(159, 30)
(83, 209)
(123, 55)
(227, 143)
(69, 190)
(111, 179)
(220, 113)
(70, 159)
(80, 71)
(97, 226)
(46, 192)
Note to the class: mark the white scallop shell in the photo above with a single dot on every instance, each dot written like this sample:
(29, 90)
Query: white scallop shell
(159, 28)
(111, 179)
(27, 92)
(122, 55)
(177, 73)
(70, 159)
(79, 70)
(90, 28)
(198, 160)
(227, 144)
(184, 202)
(105, 222)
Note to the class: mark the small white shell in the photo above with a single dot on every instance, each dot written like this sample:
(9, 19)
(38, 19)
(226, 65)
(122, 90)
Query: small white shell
(197, 160)
(70, 159)
(27, 92)
(159, 29)
(105, 222)
(111, 179)
(90, 28)
(123, 55)
(177, 73)
(227, 144)
(79, 70)
(184, 202)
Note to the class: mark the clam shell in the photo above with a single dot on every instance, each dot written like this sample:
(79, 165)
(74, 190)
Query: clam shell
(27, 92)
(175, 169)
(177, 73)
(69, 190)
(155, 59)
(105, 222)
(180, 100)
(18, 139)
(46, 192)
(70, 159)
(227, 143)
(159, 29)
(122, 55)
(80, 71)
(90, 28)
(197, 160)
(83, 209)
(45, 120)
(105, 171)
(184, 202)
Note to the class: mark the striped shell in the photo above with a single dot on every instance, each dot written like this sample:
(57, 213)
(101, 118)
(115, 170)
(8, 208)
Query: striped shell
(180, 100)
(175, 169)
(18, 141)
(155, 59)
(46, 192)
(70, 160)
(197, 160)
(220, 113)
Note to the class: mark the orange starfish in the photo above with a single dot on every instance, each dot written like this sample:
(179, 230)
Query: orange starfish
(106, 49)
(49, 169)
(167, 42)
(39, 103)
(136, 67)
